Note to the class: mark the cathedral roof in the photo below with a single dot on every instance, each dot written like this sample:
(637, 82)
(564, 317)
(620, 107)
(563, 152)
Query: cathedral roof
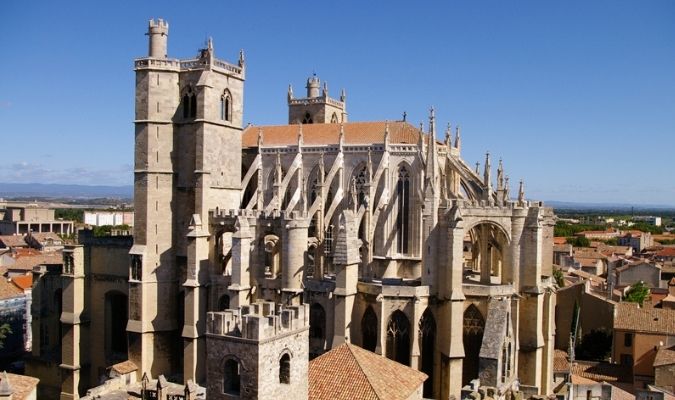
(350, 372)
(324, 134)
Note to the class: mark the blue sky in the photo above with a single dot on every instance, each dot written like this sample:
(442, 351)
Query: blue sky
(577, 97)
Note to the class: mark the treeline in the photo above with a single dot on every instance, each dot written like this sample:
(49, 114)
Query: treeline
(566, 229)
(70, 214)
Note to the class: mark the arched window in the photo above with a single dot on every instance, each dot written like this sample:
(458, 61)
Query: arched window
(231, 377)
(369, 329)
(307, 119)
(193, 106)
(334, 119)
(223, 302)
(398, 338)
(226, 106)
(285, 369)
(474, 325)
(186, 105)
(403, 216)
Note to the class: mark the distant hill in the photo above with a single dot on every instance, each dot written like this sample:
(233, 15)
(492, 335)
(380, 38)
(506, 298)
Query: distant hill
(42, 190)
(567, 205)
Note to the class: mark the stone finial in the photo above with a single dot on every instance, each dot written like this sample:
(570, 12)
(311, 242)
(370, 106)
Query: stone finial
(432, 120)
(209, 44)
(521, 192)
(458, 140)
(290, 92)
(386, 133)
(260, 137)
(448, 136)
(5, 387)
(300, 138)
(325, 89)
(369, 165)
(242, 59)
(487, 171)
(477, 168)
(500, 175)
(506, 188)
(342, 135)
(343, 95)
(405, 116)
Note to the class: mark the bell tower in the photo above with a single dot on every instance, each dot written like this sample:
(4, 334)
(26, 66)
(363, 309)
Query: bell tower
(317, 107)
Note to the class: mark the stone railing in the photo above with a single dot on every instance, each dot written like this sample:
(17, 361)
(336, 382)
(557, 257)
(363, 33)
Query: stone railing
(197, 63)
(258, 321)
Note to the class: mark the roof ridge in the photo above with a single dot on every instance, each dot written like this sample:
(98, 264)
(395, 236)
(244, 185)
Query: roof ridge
(358, 362)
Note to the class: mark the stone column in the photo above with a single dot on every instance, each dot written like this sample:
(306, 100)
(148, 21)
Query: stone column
(485, 256)
(241, 251)
(451, 308)
(194, 328)
(294, 247)
(346, 261)
(73, 306)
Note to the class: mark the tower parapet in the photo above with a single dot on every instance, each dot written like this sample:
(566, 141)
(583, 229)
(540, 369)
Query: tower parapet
(158, 32)
(258, 321)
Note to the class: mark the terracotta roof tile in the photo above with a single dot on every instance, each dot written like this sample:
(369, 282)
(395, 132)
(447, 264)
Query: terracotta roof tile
(28, 262)
(9, 290)
(350, 372)
(665, 356)
(560, 361)
(22, 385)
(23, 282)
(629, 317)
(124, 367)
(13, 241)
(601, 371)
(322, 134)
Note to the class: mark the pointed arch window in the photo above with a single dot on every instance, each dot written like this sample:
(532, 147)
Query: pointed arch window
(189, 103)
(231, 377)
(285, 369)
(334, 119)
(307, 119)
(403, 215)
(226, 106)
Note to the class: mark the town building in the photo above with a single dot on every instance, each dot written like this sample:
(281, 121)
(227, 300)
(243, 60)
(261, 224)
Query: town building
(25, 218)
(113, 218)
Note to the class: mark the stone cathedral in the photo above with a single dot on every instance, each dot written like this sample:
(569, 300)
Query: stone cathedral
(374, 233)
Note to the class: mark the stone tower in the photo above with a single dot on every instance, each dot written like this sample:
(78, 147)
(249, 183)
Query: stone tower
(258, 351)
(317, 107)
(188, 120)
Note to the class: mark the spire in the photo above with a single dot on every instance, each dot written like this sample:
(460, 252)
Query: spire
(448, 136)
(260, 137)
(242, 60)
(487, 172)
(521, 192)
(420, 143)
(300, 138)
(370, 166)
(290, 92)
(325, 89)
(477, 168)
(278, 168)
(458, 140)
(342, 135)
(431, 171)
(500, 175)
(343, 95)
(506, 189)
(209, 44)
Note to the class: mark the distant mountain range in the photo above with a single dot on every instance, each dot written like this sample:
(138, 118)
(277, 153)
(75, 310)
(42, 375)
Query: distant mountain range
(55, 190)
(51, 190)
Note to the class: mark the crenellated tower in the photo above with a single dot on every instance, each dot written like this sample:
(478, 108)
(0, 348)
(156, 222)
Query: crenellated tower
(188, 120)
(317, 107)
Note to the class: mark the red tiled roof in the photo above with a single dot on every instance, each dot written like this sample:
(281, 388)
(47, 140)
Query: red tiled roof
(666, 252)
(322, 134)
(601, 371)
(28, 262)
(22, 386)
(23, 281)
(13, 241)
(8, 290)
(350, 372)
(629, 317)
(559, 240)
(560, 361)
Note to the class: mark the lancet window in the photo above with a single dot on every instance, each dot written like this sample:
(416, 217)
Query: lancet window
(403, 216)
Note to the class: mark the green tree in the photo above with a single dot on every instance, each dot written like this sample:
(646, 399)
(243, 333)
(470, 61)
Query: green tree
(637, 293)
(5, 330)
(595, 345)
(559, 277)
(579, 241)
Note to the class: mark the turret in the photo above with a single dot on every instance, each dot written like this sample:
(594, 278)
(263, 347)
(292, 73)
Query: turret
(158, 32)
(313, 86)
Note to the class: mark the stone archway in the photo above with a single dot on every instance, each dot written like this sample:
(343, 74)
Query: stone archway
(398, 338)
(369, 329)
(427, 332)
(474, 326)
